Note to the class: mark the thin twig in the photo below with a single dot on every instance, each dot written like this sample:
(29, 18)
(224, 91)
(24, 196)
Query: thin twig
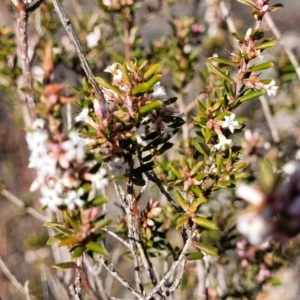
(84, 63)
(152, 177)
(26, 291)
(174, 266)
(264, 103)
(113, 234)
(277, 34)
(125, 201)
(21, 205)
(270, 120)
(22, 20)
(110, 268)
(14, 281)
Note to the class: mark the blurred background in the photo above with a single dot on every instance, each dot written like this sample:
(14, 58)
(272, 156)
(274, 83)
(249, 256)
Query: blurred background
(22, 237)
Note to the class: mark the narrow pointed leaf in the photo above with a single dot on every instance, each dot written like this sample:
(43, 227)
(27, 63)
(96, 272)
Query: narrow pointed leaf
(195, 256)
(218, 72)
(250, 95)
(261, 67)
(181, 220)
(95, 247)
(203, 222)
(206, 249)
(224, 61)
(66, 265)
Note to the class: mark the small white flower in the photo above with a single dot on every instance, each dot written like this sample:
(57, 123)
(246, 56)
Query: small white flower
(116, 72)
(249, 31)
(291, 167)
(107, 2)
(223, 144)
(254, 227)
(118, 167)
(73, 199)
(93, 38)
(271, 88)
(99, 179)
(159, 92)
(230, 123)
(74, 148)
(250, 193)
(50, 198)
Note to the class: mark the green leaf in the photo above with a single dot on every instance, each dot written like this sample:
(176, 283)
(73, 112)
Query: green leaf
(197, 168)
(237, 36)
(200, 149)
(175, 171)
(181, 220)
(266, 174)
(95, 247)
(145, 87)
(197, 202)
(274, 281)
(150, 107)
(276, 7)
(203, 222)
(71, 240)
(224, 61)
(250, 95)
(206, 249)
(54, 224)
(268, 43)
(218, 72)
(195, 256)
(243, 2)
(54, 239)
(66, 265)
(201, 107)
(99, 200)
(151, 71)
(182, 202)
(77, 251)
(261, 67)
(102, 223)
(105, 84)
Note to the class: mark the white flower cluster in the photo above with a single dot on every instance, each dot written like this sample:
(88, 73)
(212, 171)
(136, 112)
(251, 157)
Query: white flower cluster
(57, 163)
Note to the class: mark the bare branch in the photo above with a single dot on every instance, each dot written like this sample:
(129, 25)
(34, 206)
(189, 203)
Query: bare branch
(21, 205)
(127, 205)
(269, 118)
(277, 34)
(113, 234)
(14, 281)
(23, 48)
(110, 268)
(84, 63)
(174, 265)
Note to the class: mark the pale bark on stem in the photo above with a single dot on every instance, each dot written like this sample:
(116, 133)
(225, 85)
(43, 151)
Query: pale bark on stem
(21, 205)
(14, 281)
(174, 266)
(22, 20)
(288, 51)
(111, 270)
(132, 242)
(84, 63)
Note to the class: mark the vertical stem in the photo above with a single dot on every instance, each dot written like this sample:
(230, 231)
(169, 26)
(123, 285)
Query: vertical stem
(84, 63)
(23, 45)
